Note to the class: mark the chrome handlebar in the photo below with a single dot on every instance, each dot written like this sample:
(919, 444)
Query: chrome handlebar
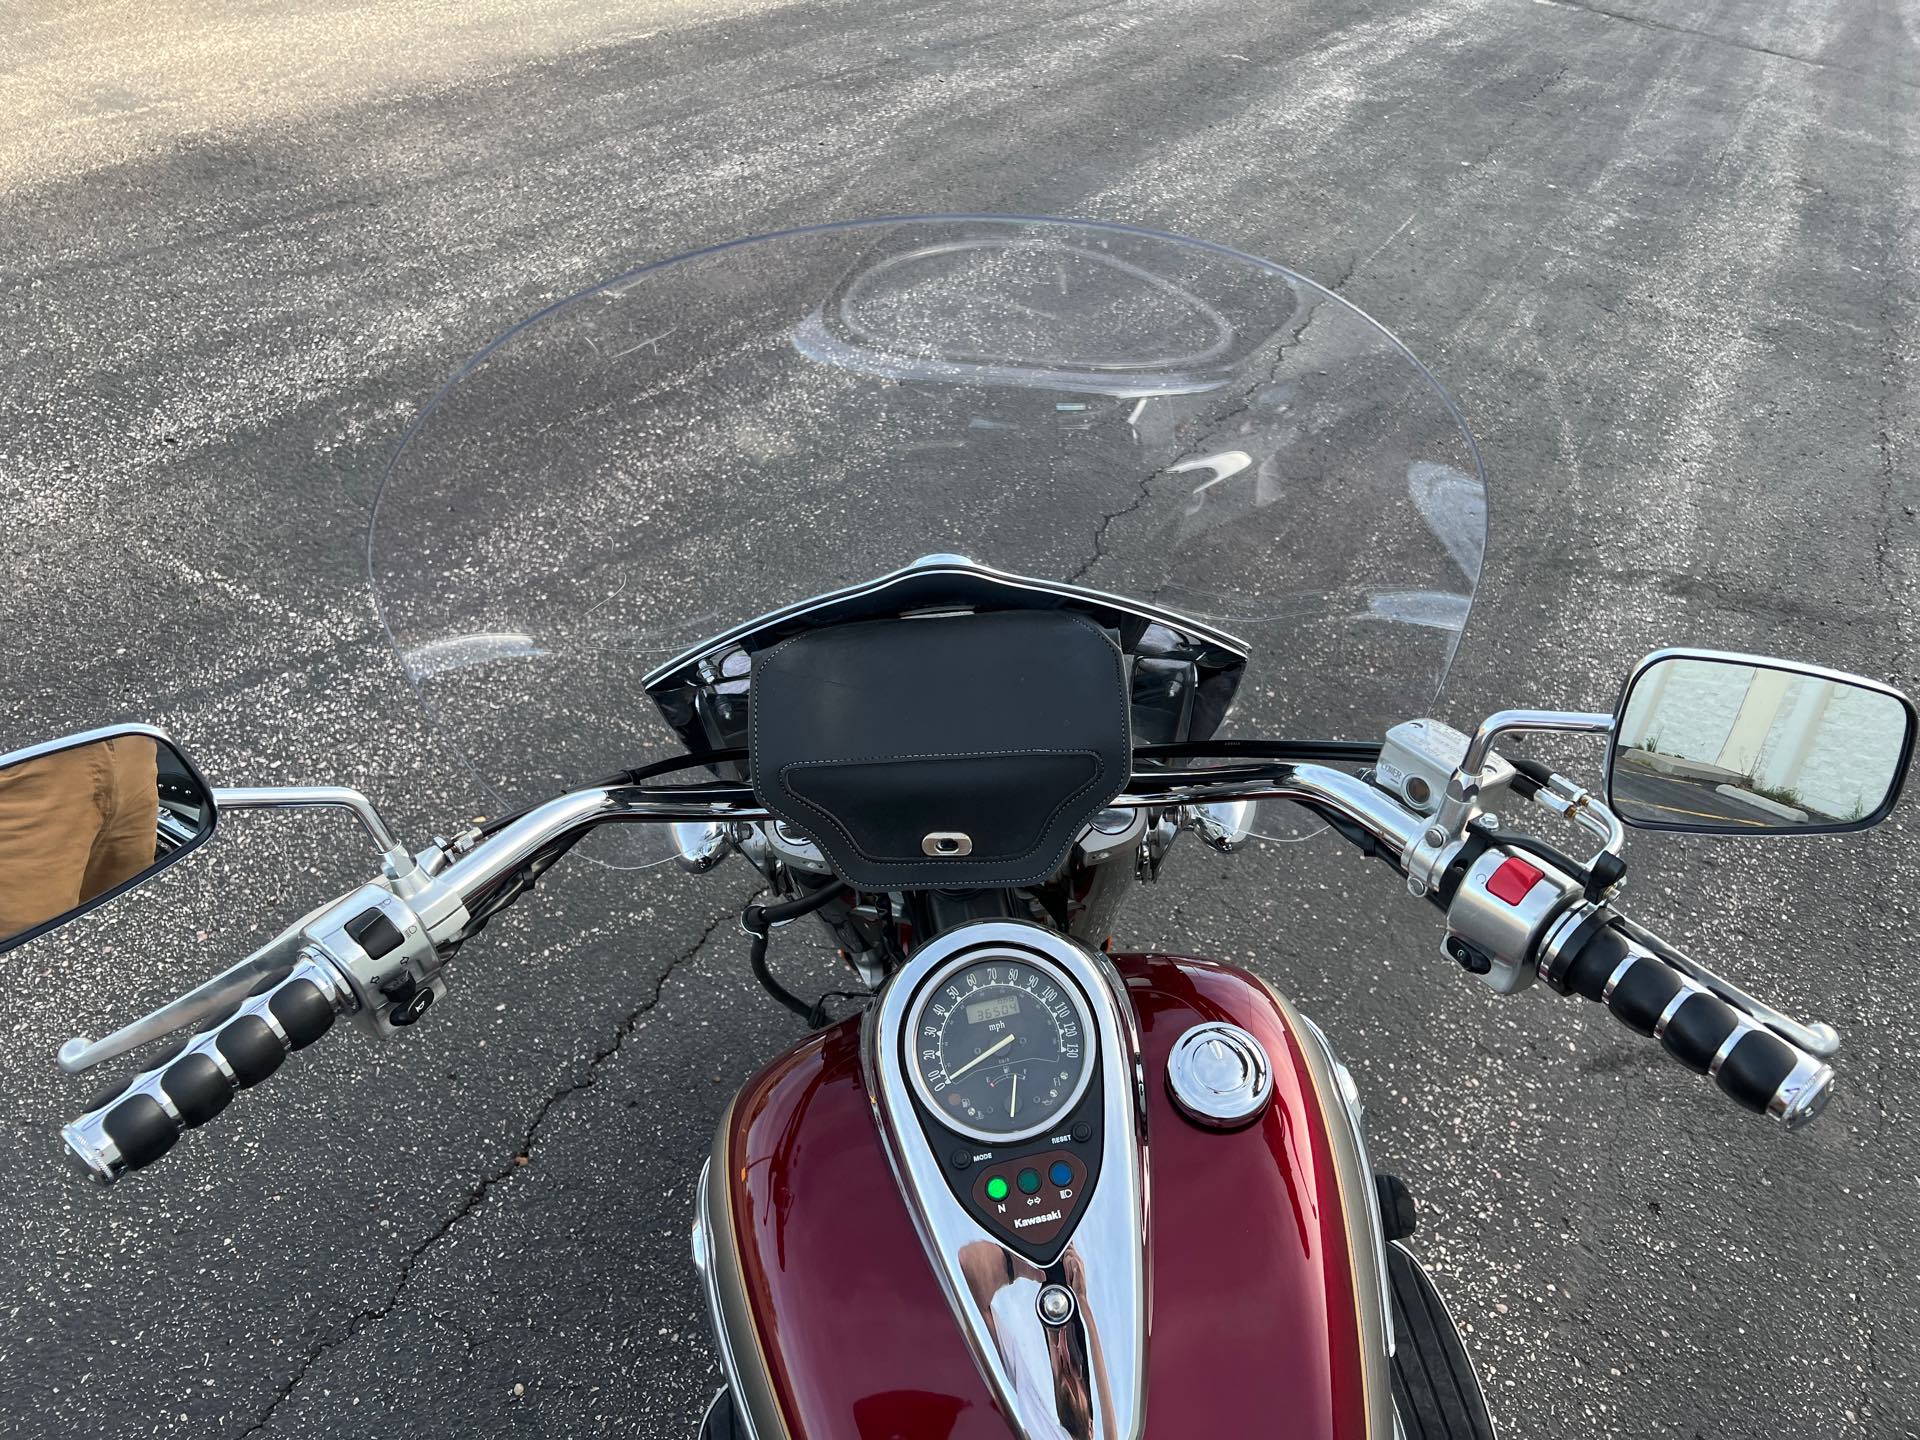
(380, 949)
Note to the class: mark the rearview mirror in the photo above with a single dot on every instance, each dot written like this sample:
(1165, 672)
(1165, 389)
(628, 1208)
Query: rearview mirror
(85, 818)
(1742, 745)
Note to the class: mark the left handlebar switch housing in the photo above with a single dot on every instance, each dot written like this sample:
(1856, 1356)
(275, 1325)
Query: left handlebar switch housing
(134, 1124)
(384, 946)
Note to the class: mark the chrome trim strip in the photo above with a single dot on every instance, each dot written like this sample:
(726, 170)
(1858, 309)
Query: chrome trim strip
(937, 565)
(1619, 973)
(1548, 960)
(1742, 1027)
(1360, 1208)
(727, 1309)
(1685, 993)
(1356, 1113)
(706, 1264)
(1093, 1388)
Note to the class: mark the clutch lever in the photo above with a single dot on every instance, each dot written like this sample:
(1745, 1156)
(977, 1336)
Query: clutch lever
(203, 1002)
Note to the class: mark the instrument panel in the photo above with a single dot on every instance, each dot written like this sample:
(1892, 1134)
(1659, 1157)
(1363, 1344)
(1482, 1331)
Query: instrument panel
(999, 1046)
(1003, 1063)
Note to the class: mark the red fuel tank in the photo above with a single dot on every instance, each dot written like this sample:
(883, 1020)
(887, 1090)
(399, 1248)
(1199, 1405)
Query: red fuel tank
(1264, 1258)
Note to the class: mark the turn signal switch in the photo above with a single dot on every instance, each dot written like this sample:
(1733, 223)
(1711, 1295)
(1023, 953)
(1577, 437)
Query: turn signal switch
(137, 1122)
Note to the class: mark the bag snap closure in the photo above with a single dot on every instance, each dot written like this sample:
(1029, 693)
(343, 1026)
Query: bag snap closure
(946, 843)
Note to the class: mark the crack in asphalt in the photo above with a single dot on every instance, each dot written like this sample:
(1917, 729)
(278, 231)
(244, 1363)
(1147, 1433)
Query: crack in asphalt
(1219, 423)
(477, 1195)
(1106, 523)
(1729, 41)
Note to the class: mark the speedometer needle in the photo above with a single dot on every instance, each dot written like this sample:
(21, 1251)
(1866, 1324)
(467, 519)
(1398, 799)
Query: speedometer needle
(993, 1049)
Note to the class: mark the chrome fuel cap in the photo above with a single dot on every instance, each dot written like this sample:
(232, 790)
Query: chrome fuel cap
(1219, 1075)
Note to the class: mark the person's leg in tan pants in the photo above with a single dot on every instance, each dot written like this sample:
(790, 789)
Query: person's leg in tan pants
(73, 825)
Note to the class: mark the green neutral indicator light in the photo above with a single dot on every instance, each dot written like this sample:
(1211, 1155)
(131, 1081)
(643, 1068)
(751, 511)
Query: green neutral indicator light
(1030, 1182)
(997, 1188)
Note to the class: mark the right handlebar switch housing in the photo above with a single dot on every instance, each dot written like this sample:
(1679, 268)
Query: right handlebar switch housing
(1497, 912)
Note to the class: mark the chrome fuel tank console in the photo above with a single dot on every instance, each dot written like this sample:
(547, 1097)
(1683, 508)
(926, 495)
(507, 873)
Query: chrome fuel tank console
(1004, 1070)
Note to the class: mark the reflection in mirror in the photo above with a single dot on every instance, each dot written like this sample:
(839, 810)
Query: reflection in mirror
(88, 817)
(1719, 744)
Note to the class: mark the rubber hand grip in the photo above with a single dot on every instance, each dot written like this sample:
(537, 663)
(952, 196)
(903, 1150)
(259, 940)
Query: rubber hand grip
(133, 1125)
(1752, 1066)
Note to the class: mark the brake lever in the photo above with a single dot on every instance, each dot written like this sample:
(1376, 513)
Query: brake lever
(1817, 1038)
(391, 950)
(210, 998)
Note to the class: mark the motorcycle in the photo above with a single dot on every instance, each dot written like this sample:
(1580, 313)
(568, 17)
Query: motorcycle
(1080, 538)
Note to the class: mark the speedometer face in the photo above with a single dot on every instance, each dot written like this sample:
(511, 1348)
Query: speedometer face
(1000, 1047)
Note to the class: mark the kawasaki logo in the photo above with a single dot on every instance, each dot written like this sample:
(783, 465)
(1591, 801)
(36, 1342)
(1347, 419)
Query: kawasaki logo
(1026, 1220)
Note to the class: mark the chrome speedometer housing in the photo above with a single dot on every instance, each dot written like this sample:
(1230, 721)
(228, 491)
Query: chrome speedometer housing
(1046, 1043)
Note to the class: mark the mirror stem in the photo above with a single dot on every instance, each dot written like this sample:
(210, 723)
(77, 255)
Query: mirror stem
(308, 797)
(1519, 722)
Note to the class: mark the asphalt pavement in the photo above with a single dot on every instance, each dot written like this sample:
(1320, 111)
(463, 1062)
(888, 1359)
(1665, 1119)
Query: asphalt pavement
(1663, 254)
(1677, 800)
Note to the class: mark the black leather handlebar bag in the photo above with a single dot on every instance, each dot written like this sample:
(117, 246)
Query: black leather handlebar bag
(950, 751)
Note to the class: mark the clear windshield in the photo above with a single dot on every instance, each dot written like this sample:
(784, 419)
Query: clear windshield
(705, 439)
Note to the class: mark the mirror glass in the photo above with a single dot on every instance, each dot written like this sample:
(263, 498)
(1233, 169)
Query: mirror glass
(1720, 744)
(83, 819)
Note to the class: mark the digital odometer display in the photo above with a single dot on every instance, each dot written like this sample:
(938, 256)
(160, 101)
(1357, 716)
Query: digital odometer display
(985, 1010)
(999, 1047)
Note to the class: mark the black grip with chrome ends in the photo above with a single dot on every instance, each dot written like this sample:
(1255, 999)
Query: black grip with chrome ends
(1752, 1066)
(133, 1125)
